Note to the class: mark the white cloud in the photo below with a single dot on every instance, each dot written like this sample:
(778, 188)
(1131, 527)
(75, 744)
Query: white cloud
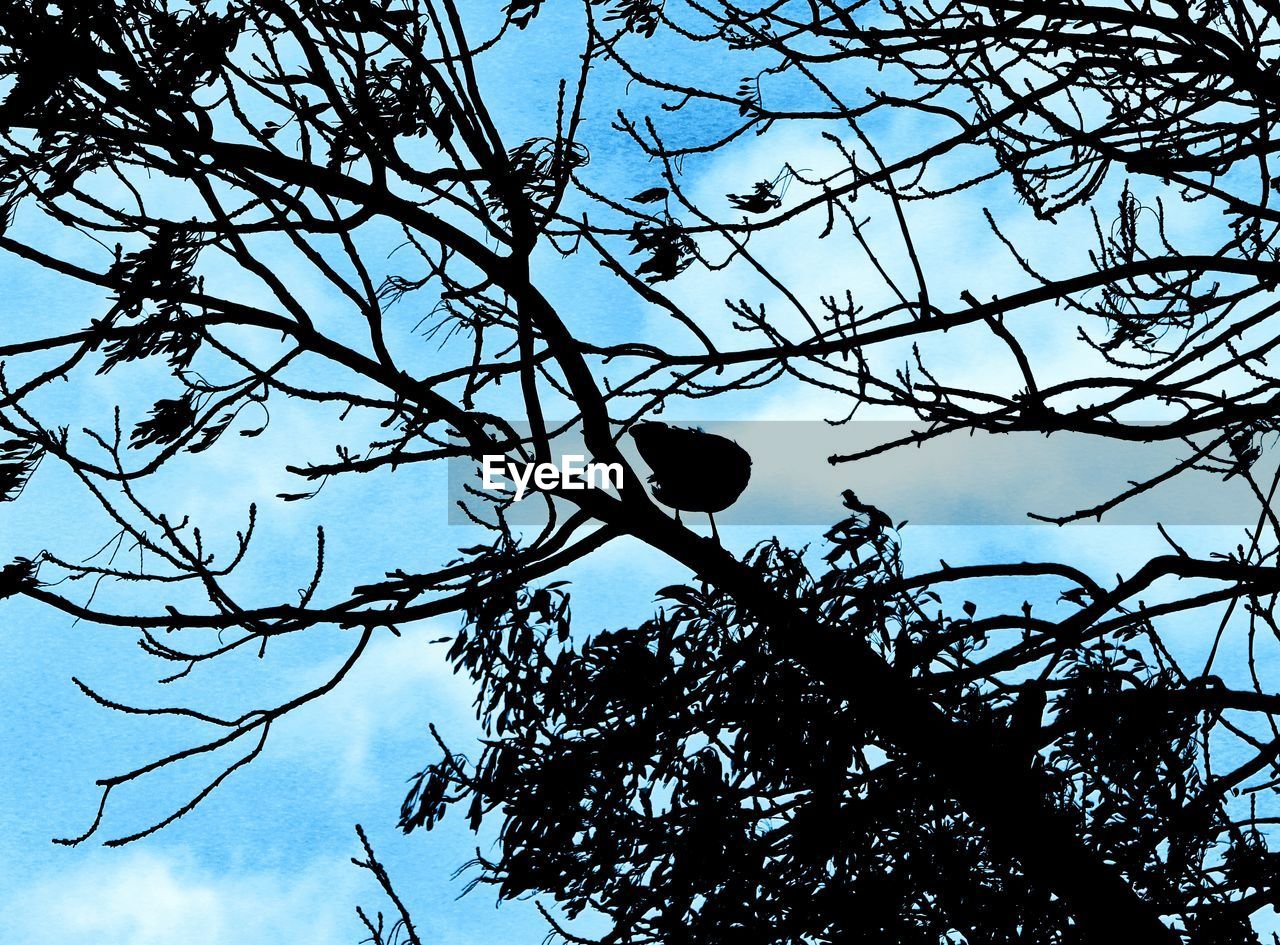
(141, 898)
(396, 688)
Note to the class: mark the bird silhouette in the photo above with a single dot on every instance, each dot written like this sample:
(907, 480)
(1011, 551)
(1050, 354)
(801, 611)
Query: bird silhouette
(692, 470)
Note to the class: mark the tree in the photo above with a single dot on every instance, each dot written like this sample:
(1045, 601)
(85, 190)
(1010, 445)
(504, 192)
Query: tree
(786, 752)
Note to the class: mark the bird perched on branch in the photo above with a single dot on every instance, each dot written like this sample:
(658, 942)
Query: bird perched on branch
(692, 470)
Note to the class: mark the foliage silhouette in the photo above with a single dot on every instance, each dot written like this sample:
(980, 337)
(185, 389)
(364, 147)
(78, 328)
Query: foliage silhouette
(694, 784)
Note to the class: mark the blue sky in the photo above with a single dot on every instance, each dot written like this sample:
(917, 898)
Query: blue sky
(264, 860)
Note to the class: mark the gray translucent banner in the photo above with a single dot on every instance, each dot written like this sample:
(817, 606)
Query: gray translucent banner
(955, 479)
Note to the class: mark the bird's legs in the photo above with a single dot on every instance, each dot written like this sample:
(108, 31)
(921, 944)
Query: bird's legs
(714, 534)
